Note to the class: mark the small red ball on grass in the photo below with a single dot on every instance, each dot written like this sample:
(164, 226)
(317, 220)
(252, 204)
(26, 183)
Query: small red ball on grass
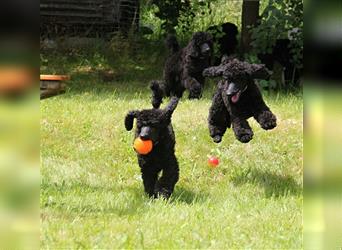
(213, 161)
(143, 147)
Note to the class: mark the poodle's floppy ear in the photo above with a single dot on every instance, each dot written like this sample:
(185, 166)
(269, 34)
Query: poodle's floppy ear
(129, 119)
(259, 71)
(193, 45)
(171, 106)
(213, 71)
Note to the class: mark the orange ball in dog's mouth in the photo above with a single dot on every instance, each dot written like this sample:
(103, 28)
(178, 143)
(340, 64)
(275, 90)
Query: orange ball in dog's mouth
(143, 147)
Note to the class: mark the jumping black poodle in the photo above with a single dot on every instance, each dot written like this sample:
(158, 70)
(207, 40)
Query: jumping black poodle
(155, 125)
(238, 98)
(183, 68)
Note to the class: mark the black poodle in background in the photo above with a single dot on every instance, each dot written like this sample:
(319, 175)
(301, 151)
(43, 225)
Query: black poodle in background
(224, 35)
(183, 68)
(238, 98)
(281, 53)
(155, 125)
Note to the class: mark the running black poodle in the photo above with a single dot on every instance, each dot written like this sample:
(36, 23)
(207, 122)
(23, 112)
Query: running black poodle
(238, 98)
(183, 68)
(155, 125)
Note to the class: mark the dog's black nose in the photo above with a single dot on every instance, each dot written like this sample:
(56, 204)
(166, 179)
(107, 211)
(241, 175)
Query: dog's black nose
(145, 133)
(232, 89)
(205, 48)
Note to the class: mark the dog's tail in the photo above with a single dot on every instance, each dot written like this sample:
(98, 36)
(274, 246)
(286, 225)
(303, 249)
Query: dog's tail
(172, 43)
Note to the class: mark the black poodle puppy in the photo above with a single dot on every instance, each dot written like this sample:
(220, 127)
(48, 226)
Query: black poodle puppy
(183, 68)
(155, 125)
(238, 98)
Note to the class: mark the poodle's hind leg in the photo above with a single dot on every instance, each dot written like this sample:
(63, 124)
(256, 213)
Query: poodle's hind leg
(158, 92)
(266, 119)
(149, 181)
(243, 132)
(166, 183)
(219, 118)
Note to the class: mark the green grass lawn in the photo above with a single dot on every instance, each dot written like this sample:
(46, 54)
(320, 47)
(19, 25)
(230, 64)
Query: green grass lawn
(91, 189)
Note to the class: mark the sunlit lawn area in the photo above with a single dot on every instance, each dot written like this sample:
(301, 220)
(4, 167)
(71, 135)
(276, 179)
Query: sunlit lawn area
(92, 194)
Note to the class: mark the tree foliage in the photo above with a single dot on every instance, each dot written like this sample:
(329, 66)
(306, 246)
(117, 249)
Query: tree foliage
(281, 19)
(169, 11)
(179, 13)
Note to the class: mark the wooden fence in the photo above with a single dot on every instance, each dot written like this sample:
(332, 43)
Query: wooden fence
(88, 17)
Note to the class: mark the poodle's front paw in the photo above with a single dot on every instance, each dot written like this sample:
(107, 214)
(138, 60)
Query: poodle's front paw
(191, 97)
(217, 138)
(269, 125)
(267, 120)
(244, 135)
(195, 89)
(195, 94)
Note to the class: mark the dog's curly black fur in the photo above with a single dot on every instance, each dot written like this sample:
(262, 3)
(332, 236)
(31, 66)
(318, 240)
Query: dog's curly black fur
(238, 98)
(155, 125)
(183, 68)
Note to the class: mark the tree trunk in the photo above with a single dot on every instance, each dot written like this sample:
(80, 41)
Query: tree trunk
(250, 17)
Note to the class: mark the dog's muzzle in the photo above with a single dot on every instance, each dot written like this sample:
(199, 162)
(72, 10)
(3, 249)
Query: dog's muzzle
(145, 133)
(234, 91)
(205, 49)
(149, 133)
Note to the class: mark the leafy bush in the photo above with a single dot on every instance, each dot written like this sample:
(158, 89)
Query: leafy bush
(281, 19)
(194, 15)
(169, 12)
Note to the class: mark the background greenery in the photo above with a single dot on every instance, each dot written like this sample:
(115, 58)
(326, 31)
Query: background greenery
(197, 15)
(281, 20)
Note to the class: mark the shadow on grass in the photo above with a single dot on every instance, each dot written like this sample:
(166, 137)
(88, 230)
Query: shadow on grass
(92, 84)
(82, 198)
(124, 86)
(102, 68)
(273, 184)
(127, 79)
